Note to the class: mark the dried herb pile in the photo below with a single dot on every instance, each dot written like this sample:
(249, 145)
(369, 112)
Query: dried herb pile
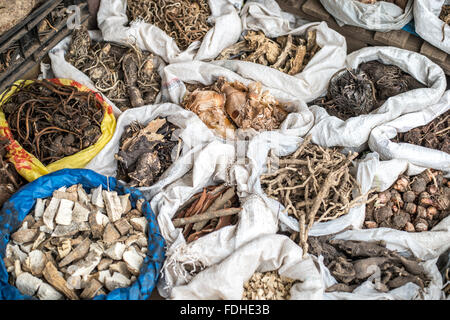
(267, 286)
(353, 262)
(145, 152)
(289, 54)
(76, 245)
(413, 204)
(355, 92)
(53, 121)
(127, 76)
(401, 3)
(10, 181)
(225, 106)
(186, 21)
(207, 211)
(314, 184)
(434, 135)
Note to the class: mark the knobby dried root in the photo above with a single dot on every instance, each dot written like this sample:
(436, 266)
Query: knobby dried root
(10, 180)
(8, 57)
(145, 152)
(76, 245)
(314, 184)
(289, 54)
(53, 121)
(445, 16)
(413, 204)
(267, 286)
(401, 3)
(355, 92)
(127, 76)
(435, 135)
(215, 207)
(225, 106)
(186, 21)
(353, 262)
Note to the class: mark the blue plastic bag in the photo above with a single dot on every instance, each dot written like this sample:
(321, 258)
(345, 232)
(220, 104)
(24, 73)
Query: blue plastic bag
(23, 201)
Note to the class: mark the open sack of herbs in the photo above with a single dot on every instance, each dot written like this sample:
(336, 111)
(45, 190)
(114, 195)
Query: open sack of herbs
(353, 269)
(413, 203)
(284, 53)
(314, 185)
(52, 121)
(174, 30)
(268, 267)
(289, 54)
(77, 245)
(375, 15)
(127, 76)
(226, 107)
(379, 85)
(422, 138)
(352, 93)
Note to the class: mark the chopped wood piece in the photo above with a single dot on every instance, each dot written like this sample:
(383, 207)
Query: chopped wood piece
(57, 281)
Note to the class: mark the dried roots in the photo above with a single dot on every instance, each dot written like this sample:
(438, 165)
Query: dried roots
(52, 121)
(313, 184)
(186, 21)
(127, 76)
(289, 54)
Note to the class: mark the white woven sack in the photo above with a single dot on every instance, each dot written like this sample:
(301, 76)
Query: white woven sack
(307, 85)
(112, 20)
(380, 16)
(380, 138)
(225, 280)
(367, 291)
(354, 132)
(193, 135)
(429, 26)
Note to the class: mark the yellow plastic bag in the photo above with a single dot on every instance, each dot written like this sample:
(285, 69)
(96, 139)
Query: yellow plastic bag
(27, 165)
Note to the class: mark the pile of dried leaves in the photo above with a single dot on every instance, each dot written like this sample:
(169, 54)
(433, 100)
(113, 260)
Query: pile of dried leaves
(186, 21)
(207, 211)
(127, 76)
(145, 152)
(445, 16)
(401, 3)
(361, 91)
(267, 286)
(53, 121)
(10, 180)
(225, 106)
(77, 245)
(434, 135)
(314, 184)
(353, 262)
(289, 54)
(412, 204)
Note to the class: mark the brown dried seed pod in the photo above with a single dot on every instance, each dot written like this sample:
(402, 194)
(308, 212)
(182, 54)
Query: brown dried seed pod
(425, 199)
(382, 214)
(419, 185)
(421, 212)
(370, 224)
(442, 202)
(409, 227)
(421, 225)
(409, 196)
(431, 212)
(411, 208)
(401, 184)
(384, 197)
